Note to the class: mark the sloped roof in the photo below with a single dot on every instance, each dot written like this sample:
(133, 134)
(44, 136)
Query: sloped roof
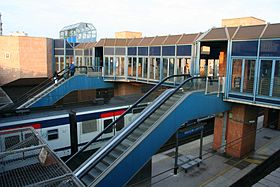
(272, 31)
(249, 32)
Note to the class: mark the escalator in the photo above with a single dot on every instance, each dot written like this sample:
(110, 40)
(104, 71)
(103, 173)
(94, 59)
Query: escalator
(118, 161)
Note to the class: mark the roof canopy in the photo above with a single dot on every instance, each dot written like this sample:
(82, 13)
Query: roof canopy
(79, 32)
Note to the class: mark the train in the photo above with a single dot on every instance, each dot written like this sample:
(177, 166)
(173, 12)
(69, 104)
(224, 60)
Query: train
(54, 127)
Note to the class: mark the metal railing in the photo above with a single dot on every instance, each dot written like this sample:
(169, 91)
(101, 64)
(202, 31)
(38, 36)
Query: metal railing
(194, 83)
(190, 84)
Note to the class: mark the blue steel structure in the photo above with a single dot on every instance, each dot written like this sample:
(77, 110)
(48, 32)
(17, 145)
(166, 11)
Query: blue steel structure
(78, 82)
(194, 104)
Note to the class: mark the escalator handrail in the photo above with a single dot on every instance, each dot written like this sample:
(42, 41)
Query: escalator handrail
(36, 89)
(122, 116)
(115, 143)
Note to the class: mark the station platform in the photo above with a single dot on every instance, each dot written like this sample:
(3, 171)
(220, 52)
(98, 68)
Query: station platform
(216, 169)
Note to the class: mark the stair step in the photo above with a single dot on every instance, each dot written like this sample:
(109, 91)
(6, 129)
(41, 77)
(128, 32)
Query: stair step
(143, 127)
(132, 137)
(138, 131)
(94, 172)
(145, 124)
(122, 147)
(127, 142)
(101, 166)
(149, 121)
(115, 153)
(87, 179)
(109, 159)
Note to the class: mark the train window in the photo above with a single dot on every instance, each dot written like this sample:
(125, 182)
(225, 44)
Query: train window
(120, 124)
(89, 126)
(107, 122)
(53, 134)
(10, 141)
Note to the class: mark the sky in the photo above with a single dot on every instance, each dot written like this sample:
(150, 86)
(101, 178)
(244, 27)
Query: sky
(45, 18)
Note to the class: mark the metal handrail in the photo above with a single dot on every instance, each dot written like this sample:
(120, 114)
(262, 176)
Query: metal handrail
(121, 117)
(116, 143)
(36, 90)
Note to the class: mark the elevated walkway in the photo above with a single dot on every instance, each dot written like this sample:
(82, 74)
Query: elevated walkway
(128, 151)
(49, 92)
(57, 91)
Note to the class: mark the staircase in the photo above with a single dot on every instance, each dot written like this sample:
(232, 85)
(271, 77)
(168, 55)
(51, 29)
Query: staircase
(119, 160)
(49, 92)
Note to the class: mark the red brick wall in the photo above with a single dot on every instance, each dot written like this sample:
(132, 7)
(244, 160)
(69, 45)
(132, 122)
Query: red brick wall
(240, 134)
(218, 130)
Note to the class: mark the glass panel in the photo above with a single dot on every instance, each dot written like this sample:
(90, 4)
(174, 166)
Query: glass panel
(157, 68)
(154, 51)
(143, 51)
(106, 124)
(145, 68)
(118, 66)
(171, 66)
(129, 70)
(245, 48)
(122, 66)
(165, 67)
(108, 51)
(270, 48)
(131, 51)
(184, 50)
(61, 62)
(106, 65)
(111, 70)
(265, 77)
(179, 66)
(89, 126)
(276, 82)
(134, 66)
(120, 51)
(168, 50)
(152, 67)
(57, 64)
(236, 74)
(249, 73)
(140, 61)
(202, 64)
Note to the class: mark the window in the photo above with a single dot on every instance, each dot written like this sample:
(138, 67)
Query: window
(249, 73)
(276, 82)
(52, 134)
(245, 48)
(270, 48)
(184, 50)
(236, 75)
(168, 51)
(143, 51)
(155, 51)
(120, 51)
(107, 122)
(265, 77)
(108, 51)
(89, 126)
(131, 50)
(10, 141)
(120, 124)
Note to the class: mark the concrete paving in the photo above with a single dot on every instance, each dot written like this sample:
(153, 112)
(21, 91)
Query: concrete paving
(216, 168)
